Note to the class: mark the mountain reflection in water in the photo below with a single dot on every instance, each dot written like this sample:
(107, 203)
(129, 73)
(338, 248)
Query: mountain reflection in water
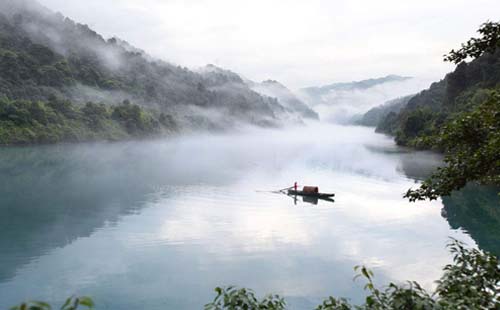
(158, 224)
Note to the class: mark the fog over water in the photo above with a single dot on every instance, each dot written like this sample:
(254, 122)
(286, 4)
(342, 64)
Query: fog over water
(345, 104)
(158, 224)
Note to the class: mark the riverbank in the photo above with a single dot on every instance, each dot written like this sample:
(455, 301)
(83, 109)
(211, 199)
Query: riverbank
(24, 122)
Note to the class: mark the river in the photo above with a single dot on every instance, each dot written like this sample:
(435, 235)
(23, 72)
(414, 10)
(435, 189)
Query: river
(159, 224)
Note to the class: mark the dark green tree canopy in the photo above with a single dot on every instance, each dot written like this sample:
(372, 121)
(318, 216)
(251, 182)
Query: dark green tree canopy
(470, 133)
(475, 47)
(472, 145)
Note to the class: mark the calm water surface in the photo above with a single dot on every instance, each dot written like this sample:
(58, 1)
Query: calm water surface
(159, 224)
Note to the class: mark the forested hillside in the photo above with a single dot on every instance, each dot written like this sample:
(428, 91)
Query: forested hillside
(421, 120)
(375, 115)
(460, 116)
(45, 55)
(59, 120)
(288, 99)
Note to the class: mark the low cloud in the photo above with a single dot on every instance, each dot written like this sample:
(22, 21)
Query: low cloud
(297, 42)
(342, 105)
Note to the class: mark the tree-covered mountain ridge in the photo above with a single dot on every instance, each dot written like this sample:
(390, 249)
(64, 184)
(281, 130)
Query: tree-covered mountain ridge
(420, 121)
(47, 58)
(375, 115)
(459, 116)
(286, 97)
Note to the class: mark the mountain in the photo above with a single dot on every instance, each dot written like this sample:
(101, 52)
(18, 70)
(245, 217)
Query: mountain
(285, 96)
(317, 93)
(44, 55)
(375, 115)
(345, 102)
(432, 109)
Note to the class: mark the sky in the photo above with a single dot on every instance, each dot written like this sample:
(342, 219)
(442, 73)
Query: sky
(300, 43)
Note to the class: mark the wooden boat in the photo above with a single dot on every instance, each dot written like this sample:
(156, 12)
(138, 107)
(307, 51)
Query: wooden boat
(310, 194)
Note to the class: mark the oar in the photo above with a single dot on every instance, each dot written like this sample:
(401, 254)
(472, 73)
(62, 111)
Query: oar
(279, 191)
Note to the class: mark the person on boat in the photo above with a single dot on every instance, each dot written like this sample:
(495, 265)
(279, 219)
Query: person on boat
(295, 186)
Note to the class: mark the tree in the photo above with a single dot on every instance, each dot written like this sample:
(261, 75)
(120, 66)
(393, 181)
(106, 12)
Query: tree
(95, 114)
(234, 298)
(72, 303)
(475, 47)
(472, 144)
(471, 139)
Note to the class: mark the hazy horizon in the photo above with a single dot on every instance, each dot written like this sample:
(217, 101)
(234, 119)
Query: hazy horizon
(298, 43)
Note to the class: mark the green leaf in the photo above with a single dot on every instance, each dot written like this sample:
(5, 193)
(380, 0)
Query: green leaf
(86, 301)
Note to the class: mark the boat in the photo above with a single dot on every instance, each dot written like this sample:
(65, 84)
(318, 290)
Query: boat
(310, 194)
(309, 191)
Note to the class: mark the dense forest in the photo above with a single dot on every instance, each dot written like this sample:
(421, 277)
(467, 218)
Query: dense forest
(36, 122)
(44, 55)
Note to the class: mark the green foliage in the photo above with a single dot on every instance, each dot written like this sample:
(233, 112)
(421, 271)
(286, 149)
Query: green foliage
(332, 303)
(429, 102)
(408, 296)
(459, 116)
(472, 144)
(459, 91)
(72, 303)
(475, 47)
(388, 124)
(96, 115)
(42, 54)
(232, 298)
(414, 124)
(134, 119)
(33, 122)
(375, 115)
(472, 281)
(167, 121)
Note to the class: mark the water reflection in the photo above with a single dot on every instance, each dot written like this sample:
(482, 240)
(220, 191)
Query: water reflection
(158, 224)
(476, 209)
(309, 199)
(51, 196)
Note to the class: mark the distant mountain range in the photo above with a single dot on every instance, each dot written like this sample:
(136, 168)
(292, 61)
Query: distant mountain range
(346, 102)
(319, 92)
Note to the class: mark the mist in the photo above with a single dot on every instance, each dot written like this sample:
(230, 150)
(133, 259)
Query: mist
(166, 203)
(111, 70)
(213, 111)
(299, 43)
(344, 105)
